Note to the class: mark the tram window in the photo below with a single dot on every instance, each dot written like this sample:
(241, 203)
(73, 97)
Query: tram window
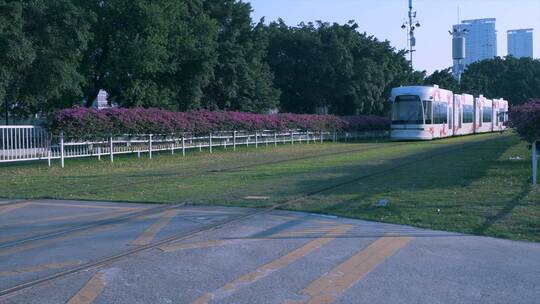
(451, 119)
(440, 113)
(460, 117)
(486, 114)
(428, 111)
(467, 114)
(407, 109)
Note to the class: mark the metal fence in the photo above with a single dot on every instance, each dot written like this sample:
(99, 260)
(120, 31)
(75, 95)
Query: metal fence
(23, 143)
(27, 143)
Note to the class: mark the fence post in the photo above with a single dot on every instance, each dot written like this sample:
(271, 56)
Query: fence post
(172, 145)
(62, 149)
(256, 141)
(307, 137)
(535, 163)
(321, 137)
(234, 140)
(275, 139)
(210, 142)
(183, 145)
(111, 147)
(292, 137)
(150, 146)
(247, 140)
(49, 157)
(99, 153)
(335, 137)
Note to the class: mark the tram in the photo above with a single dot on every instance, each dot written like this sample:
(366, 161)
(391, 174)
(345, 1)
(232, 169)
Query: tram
(430, 112)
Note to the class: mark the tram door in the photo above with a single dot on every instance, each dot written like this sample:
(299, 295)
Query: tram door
(451, 120)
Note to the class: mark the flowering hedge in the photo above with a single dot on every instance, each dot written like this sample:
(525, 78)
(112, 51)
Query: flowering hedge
(87, 123)
(526, 120)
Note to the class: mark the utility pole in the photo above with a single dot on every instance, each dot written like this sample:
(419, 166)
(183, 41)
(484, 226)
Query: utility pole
(411, 25)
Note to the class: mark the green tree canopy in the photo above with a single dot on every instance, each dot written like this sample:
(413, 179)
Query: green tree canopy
(242, 79)
(335, 66)
(150, 53)
(41, 46)
(444, 79)
(517, 80)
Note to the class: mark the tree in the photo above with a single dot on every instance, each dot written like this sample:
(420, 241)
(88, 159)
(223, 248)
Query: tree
(242, 79)
(41, 46)
(516, 80)
(335, 66)
(16, 52)
(150, 53)
(444, 79)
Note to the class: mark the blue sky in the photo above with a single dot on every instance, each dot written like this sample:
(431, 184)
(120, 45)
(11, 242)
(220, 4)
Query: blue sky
(383, 19)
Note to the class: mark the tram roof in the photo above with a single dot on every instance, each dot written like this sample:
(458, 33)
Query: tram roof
(424, 92)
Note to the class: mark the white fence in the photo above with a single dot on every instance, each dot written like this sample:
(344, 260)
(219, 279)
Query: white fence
(27, 143)
(22, 143)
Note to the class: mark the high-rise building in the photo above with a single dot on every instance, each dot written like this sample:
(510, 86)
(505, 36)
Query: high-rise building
(520, 43)
(480, 41)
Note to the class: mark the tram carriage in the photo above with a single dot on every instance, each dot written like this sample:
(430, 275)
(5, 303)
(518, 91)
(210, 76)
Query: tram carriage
(429, 112)
(463, 114)
(500, 107)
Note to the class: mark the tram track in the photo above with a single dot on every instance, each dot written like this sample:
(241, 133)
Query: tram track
(126, 217)
(207, 228)
(90, 225)
(229, 169)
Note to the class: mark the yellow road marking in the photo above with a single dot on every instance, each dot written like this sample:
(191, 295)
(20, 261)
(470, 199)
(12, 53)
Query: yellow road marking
(181, 246)
(331, 285)
(9, 208)
(309, 231)
(205, 211)
(215, 243)
(90, 291)
(290, 217)
(267, 269)
(38, 268)
(149, 234)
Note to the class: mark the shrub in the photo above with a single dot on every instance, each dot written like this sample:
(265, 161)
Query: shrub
(525, 119)
(86, 123)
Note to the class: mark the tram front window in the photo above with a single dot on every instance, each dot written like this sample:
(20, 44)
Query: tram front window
(407, 110)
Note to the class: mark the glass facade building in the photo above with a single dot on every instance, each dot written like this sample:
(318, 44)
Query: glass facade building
(520, 43)
(480, 41)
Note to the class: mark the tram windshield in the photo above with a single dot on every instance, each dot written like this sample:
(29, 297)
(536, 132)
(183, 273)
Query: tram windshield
(408, 109)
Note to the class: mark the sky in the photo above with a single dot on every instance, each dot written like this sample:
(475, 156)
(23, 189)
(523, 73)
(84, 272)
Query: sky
(383, 19)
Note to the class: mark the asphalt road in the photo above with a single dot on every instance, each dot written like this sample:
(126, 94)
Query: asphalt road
(273, 257)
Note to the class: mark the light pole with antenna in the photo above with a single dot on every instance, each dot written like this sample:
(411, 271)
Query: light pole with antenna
(411, 25)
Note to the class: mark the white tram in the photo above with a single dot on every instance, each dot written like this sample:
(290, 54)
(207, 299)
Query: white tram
(428, 112)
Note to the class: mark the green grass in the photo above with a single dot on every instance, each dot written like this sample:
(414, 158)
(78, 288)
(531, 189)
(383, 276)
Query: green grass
(471, 180)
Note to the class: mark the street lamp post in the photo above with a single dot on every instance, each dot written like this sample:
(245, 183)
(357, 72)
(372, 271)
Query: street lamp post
(411, 25)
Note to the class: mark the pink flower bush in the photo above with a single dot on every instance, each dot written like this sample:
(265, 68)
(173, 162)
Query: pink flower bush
(86, 123)
(525, 119)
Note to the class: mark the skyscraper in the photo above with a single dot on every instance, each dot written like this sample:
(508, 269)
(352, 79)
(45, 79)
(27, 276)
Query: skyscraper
(520, 43)
(480, 41)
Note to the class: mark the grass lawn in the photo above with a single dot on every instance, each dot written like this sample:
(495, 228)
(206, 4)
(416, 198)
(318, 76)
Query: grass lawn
(466, 184)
